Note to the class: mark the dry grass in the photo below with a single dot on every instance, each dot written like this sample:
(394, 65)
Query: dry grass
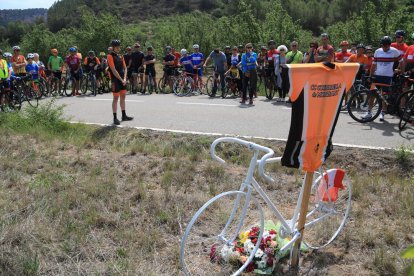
(112, 201)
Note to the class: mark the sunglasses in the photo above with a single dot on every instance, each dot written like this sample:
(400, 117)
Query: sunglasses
(294, 45)
(249, 47)
(398, 36)
(281, 50)
(312, 46)
(137, 46)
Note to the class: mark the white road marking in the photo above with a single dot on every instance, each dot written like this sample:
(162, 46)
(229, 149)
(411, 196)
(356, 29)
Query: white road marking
(231, 105)
(229, 135)
(132, 101)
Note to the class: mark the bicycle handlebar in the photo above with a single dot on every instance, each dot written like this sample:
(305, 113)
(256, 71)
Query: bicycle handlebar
(250, 145)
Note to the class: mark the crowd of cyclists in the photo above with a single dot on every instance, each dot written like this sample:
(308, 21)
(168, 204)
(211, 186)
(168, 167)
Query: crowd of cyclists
(238, 68)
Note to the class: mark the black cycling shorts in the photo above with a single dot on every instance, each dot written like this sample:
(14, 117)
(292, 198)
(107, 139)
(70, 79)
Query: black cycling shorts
(74, 75)
(57, 74)
(150, 71)
(117, 86)
(138, 70)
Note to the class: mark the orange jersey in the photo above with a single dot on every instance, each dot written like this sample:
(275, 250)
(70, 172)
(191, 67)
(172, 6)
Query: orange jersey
(409, 54)
(363, 59)
(341, 56)
(316, 91)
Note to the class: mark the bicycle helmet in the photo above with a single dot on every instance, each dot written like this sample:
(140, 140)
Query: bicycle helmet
(128, 48)
(7, 54)
(360, 46)
(344, 43)
(227, 47)
(168, 48)
(115, 43)
(196, 46)
(271, 42)
(386, 40)
(91, 52)
(30, 56)
(183, 52)
(16, 48)
(102, 54)
(400, 33)
(263, 48)
(368, 47)
(324, 35)
(72, 50)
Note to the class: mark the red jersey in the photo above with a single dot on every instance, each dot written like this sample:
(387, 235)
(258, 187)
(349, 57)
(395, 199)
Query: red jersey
(177, 58)
(402, 48)
(271, 56)
(342, 57)
(409, 54)
(316, 91)
(73, 62)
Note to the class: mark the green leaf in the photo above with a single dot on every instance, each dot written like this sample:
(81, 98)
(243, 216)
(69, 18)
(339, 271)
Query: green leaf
(408, 253)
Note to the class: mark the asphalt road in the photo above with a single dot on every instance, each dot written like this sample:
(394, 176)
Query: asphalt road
(200, 114)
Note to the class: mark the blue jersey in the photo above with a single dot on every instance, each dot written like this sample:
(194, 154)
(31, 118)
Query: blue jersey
(33, 69)
(188, 65)
(197, 58)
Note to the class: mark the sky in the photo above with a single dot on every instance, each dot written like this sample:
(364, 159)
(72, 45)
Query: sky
(25, 4)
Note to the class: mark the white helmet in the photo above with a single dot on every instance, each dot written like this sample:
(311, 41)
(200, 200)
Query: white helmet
(30, 56)
(16, 48)
(195, 46)
(7, 54)
(183, 52)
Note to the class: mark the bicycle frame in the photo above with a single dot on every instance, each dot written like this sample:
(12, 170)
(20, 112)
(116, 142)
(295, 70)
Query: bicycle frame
(288, 226)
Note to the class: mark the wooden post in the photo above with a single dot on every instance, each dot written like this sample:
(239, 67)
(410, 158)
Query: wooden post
(302, 218)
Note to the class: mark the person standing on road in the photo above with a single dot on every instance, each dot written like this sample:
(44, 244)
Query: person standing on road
(118, 71)
(249, 65)
(325, 52)
(220, 66)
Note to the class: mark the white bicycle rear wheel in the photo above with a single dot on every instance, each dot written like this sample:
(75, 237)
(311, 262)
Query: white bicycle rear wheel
(327, 216)
(217, 224)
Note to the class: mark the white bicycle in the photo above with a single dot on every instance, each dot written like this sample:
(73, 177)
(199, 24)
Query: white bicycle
(220, 220)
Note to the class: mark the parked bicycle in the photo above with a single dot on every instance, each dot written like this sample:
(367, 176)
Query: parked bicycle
(88, 82)
(407, 115)
(217, 224)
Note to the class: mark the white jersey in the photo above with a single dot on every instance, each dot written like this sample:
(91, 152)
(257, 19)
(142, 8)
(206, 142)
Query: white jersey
(385, 61)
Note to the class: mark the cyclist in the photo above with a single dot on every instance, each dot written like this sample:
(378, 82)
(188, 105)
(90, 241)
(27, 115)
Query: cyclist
(118, 72)
(271, 55)
(233, 75)
(177, 56)
(220, 66)
(309, 56)
(360, 57)
(227, 52)
(294, 56)
(186, 62)
(92, 63)
(128, 62)
(197, 59)
(370, 54)
(344, 54)
(73, 64)
(408, 64)
(4, 75)
(137, 58)
(399, 43)
(325, 52)
(168, 62)
(249, 65)
(31, 67)
(18, 62)
(382, 70)
(55, 65)
(149, 62)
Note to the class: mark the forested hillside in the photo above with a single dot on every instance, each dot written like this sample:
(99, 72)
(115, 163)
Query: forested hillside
(27, 15)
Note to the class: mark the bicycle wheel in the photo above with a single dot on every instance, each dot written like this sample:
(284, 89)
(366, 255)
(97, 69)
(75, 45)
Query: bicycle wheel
(210, 85)
(93, 86)
(402, 101)
(84, 83)
(67, 87)
(408, 114)
(30, 96)
(330, 203)
(358, 106)
(161, 85)
(15, 99)
(214, 228)
(182, 86)
(269, 88)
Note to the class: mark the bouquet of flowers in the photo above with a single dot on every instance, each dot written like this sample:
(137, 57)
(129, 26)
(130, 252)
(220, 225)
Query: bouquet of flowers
(264, 259)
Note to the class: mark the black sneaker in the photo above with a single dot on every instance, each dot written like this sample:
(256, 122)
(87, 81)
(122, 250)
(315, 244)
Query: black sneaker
(127, 118)
(116, 122)
(143, 92)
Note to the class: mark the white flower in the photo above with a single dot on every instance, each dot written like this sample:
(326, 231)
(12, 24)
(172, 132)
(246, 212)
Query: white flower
(265, 234)
(226, 252)
(259, 253)
(265, 258)
(249, 246)
(261, 264)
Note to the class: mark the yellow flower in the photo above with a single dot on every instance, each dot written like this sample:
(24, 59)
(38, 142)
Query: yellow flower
(244, 236)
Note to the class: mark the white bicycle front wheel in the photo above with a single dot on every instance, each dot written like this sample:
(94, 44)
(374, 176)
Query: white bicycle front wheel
(211, 232)
(329, 208)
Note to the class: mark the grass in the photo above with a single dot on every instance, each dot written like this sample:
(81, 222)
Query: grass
(78, 199)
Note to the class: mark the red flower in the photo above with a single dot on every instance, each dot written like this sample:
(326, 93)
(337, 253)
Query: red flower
(272, 232)
(255, 229)
(270, 261)
(240, 250)
(250, 267)
(213, 256)
(254, 241)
